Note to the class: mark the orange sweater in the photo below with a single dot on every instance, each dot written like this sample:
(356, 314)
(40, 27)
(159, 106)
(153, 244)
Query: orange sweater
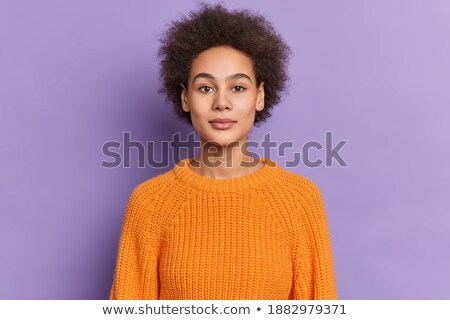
(262, 236)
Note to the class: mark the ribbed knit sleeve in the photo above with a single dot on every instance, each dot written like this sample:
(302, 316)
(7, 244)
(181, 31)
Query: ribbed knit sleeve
(136, 271)
(313, 263)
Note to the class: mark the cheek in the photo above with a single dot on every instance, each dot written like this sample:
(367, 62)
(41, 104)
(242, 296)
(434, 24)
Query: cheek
(246, 102)
(245, 108)
(199, 113)
(199, 119)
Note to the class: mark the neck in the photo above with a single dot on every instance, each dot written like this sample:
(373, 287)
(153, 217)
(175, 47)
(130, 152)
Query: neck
(224, 162)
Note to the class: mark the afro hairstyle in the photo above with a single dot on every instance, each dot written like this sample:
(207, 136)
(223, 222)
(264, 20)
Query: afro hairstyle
(214, 26)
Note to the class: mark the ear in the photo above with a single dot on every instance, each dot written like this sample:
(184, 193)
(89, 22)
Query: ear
(184, 98)
(260, 97)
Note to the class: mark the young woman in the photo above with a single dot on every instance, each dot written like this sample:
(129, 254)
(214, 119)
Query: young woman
(224, 225)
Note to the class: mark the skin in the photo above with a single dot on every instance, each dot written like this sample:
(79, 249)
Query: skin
(223, 153)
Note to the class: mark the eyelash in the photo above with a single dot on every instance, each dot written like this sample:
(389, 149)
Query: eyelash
(200, 89)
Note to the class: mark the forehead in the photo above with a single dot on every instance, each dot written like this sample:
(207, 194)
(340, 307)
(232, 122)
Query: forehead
(221, 62)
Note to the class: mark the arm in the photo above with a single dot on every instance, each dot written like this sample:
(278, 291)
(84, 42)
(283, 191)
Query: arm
(136, 271)
(313, 263)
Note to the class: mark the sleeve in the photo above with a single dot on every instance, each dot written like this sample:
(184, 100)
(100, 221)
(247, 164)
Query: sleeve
(313, 262)
(136, 269)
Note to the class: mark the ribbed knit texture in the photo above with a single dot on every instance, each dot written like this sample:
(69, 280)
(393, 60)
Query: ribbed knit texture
(262, 236)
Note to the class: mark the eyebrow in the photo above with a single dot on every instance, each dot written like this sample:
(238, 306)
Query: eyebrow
(230, 77)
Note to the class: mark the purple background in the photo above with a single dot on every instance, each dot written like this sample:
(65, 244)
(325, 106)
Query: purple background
(375, 73)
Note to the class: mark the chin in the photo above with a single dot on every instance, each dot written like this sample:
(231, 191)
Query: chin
(222, 141)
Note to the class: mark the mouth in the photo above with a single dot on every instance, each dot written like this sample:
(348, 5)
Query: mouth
(222, 124)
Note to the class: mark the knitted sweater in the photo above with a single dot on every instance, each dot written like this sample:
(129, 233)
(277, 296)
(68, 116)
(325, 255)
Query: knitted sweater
(262, 236)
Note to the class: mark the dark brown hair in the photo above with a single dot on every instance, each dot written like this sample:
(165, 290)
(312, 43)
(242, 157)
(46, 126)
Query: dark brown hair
(212, 26)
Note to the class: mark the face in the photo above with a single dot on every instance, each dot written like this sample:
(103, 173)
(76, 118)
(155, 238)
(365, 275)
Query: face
(222, 85)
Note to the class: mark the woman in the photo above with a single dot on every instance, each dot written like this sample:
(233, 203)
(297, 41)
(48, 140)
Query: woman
(224, 225)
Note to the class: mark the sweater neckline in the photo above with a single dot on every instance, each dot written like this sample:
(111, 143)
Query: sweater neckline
(184, 173)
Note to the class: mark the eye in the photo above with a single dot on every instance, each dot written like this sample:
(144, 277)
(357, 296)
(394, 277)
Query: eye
(207, 91)
(240, 88)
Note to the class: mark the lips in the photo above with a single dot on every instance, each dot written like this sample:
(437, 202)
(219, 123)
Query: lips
(225, 120)
(222, 124)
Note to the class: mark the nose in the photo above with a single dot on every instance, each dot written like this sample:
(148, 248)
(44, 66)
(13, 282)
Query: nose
(221, 102)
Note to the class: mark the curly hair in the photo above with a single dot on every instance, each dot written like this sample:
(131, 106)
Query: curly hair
(213, 26)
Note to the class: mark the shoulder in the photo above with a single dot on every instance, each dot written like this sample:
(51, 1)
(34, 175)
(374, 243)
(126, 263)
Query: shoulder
(155, 185)
(303, 194)
(153, 188)
(146, 203)
(308, 206)
(299, 184)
